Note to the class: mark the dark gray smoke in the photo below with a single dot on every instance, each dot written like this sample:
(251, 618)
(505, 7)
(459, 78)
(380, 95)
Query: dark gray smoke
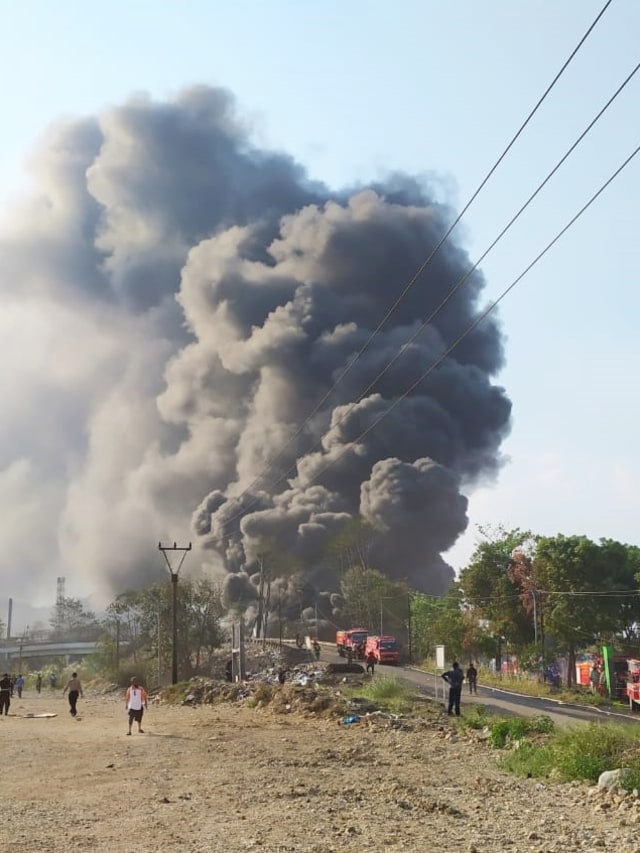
(175, 302)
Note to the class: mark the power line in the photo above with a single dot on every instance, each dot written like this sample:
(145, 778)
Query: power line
(417, 275)
(483, 314)
(470, 328)
(492, 245)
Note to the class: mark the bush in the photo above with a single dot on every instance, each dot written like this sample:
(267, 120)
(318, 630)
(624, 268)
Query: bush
(530, 760)
(506, 731)
(387, 693)
(476, 717)
(580, 753)
(541, 724)
(503, 732)
(586, 752)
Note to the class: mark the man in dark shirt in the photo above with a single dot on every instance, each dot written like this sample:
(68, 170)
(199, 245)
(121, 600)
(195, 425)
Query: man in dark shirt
(472, 678)
(5, 694)
(454, 678)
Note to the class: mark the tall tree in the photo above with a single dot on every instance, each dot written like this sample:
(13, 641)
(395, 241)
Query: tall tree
(446, 620)
(71, 620)
(582, 579)
(493, 590)
(373, 601)
(146, 619)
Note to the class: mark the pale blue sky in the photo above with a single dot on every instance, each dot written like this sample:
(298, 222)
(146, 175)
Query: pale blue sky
(353, 90)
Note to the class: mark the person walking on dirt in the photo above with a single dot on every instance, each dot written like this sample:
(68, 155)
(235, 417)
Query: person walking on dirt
(316, 649)
(39, 682)
(5, 694)
(136, 699)
(371, 662)
(74, 689)
(454, 678)
(472, 678)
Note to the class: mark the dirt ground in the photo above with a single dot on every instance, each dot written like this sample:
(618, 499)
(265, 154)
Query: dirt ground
(230, 778)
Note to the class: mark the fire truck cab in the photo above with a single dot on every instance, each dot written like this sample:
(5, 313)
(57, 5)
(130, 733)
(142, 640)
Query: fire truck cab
(385, 649)
(354, 640)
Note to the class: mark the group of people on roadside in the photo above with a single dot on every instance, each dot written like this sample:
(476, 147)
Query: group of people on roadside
(10, 685)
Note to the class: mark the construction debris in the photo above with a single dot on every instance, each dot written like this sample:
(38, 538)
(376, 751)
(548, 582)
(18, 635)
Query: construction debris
(280, 685)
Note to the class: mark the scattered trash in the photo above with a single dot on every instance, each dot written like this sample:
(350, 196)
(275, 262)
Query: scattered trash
(39, 716)
(353, 718)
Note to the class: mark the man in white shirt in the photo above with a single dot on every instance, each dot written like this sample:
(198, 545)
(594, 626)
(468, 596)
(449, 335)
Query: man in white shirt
(135, 703)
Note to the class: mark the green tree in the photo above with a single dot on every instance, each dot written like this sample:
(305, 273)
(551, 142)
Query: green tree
(587, 587)
(446, 620)
(372, 600)
(146, 618)
(494, 591)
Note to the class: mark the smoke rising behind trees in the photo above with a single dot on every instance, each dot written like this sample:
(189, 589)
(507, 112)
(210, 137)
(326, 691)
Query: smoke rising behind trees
(175, 302)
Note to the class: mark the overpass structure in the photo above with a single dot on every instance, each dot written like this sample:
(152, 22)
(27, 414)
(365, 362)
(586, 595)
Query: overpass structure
(15, 649)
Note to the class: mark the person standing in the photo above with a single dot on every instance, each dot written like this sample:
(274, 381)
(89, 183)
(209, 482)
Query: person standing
(136, 699)
(5, 694)
(371, 662)
(19, 685)
(39, 682)
(454, 678)
(594, 679)
(74, 688)
(472, 678)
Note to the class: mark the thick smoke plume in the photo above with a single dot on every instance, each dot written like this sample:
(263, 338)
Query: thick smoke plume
(175, 302)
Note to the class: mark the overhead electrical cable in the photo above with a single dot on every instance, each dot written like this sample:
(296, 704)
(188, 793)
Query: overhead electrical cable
(470, 328)
(506, 228)
(456, 286)
(491, 307)
(417, 275)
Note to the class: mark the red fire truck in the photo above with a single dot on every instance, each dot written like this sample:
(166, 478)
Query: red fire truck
(354, 640)
(385, 649)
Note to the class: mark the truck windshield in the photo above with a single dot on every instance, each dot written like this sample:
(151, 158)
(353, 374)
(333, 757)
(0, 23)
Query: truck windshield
(359, 637)
(388, 645)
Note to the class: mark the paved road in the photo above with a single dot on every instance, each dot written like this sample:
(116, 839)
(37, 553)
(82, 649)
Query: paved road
(506, 702)
(499, 701)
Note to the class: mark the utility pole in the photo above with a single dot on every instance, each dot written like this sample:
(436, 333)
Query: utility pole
(159, 637)
(167, 549)
(409, 627)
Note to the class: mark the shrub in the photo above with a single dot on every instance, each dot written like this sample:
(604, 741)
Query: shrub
(579, 753)
(586, 752)
(505, 731)
(541, 724)
(476, 717)
(387, 693)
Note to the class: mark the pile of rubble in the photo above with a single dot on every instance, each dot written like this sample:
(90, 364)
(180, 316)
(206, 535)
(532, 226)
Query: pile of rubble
(298, 689)
(286, 681)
